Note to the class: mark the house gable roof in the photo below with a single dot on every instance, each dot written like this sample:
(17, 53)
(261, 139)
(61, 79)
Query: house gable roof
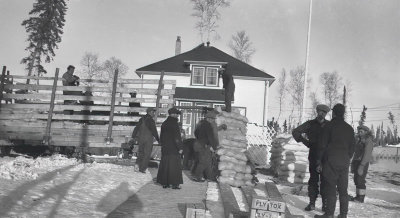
(208, 54)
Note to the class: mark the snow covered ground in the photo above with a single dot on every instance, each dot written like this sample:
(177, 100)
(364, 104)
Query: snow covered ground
(60, 187)
(382, 200)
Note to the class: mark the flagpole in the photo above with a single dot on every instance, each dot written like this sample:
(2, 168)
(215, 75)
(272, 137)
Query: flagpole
(306, 67)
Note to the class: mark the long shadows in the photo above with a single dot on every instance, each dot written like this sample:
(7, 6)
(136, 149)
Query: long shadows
(9, 201)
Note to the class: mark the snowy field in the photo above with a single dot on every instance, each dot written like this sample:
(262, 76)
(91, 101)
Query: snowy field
(382, 199)
(60, 187)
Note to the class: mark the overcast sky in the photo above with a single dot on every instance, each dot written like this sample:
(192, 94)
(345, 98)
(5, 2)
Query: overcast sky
(360, 39)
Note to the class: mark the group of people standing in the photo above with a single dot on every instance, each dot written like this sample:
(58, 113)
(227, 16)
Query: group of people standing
(333, 148)
(170, 169)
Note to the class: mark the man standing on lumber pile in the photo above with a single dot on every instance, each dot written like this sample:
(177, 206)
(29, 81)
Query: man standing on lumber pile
(229, 88)
(144, 133)
(333, 160)
(360, 163)
(308, 133)
(206, 142)
(170, 169)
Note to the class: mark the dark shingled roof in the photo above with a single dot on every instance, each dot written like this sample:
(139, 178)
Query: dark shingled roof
(177, 63)
(214, 95)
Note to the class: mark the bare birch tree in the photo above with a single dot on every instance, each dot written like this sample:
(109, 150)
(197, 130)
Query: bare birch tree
(91, 67)
(110, 65)
(314, 103)
(282, 90)
(296, 84)
(332, 85)
(242, 46)
(207, 13)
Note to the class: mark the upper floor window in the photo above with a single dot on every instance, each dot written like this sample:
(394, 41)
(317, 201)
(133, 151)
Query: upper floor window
(198, 76)
(206, 76)
(212, 76)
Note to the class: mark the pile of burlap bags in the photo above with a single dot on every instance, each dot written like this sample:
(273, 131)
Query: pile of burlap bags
(289, 159)
(233, 162)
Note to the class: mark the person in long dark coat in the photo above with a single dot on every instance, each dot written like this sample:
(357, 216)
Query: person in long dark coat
(170, 169)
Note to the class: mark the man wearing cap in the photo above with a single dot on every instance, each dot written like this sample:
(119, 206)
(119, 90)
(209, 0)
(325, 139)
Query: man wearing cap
(360, 162)
(206, 139)
(308, 133)
(144, 133)
(333, 160)
(170, 169)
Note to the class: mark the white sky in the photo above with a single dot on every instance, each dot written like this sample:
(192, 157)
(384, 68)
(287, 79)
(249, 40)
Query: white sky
(359, 39)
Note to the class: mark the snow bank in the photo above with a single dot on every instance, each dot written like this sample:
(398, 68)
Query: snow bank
(22, 168)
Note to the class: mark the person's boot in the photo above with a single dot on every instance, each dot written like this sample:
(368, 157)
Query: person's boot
(323, 216)
(359, 198)
(310, 207)
(342, 216)
(324, 204)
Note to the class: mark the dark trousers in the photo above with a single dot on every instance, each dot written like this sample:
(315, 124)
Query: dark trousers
(335, 178)
(188, 153)
(359, 180)
(145, 149)
(203, 167)
(229, 96)
(313, 182)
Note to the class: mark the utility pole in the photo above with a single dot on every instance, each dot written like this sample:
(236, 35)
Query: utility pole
(306, 67)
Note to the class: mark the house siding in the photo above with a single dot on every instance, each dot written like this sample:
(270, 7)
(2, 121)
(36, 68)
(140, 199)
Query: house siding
(248, 94)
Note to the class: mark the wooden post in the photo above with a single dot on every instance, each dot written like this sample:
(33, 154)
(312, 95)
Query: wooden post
(397, 155)
(160, 87)
(46, 139)
(3, 77)
(114, 92)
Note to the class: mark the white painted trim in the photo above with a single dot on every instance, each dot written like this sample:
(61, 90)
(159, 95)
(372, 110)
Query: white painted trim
(198, 100)
(189, 75)
(206, 62)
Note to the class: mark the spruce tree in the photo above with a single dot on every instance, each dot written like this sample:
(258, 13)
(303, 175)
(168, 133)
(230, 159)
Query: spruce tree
(44, 29)
(363, 116)
(285, 127)
(378, 135)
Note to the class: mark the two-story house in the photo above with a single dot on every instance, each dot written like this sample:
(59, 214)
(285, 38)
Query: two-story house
(198, 84)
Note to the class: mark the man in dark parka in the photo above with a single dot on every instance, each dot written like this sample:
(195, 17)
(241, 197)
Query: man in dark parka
(145, 132)
(170, 169)
(206, 139)
(308, 133)
(336, 149)
(229, 88)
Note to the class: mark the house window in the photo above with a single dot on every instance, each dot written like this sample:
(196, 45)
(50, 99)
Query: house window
(211, 76)
(198, 76)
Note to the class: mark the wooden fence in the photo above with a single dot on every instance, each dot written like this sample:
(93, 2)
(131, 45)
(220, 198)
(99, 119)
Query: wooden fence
(98, 113)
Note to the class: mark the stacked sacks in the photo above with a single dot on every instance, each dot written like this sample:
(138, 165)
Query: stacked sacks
(289, 159)
(233, 162)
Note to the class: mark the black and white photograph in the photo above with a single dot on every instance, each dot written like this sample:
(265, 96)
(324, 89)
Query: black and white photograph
(200, 108)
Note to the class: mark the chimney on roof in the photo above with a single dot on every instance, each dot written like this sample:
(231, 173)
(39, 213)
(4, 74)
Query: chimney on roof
(178, 45)
(208, 44)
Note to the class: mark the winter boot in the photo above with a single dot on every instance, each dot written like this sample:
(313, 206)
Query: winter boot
(359, 198)
(324, 205)
(310, 207)
(323, 216)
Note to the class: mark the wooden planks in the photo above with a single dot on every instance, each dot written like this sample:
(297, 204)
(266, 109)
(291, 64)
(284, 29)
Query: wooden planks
(144, 91)
(61, 97)
(231, 208)
(120, 81)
